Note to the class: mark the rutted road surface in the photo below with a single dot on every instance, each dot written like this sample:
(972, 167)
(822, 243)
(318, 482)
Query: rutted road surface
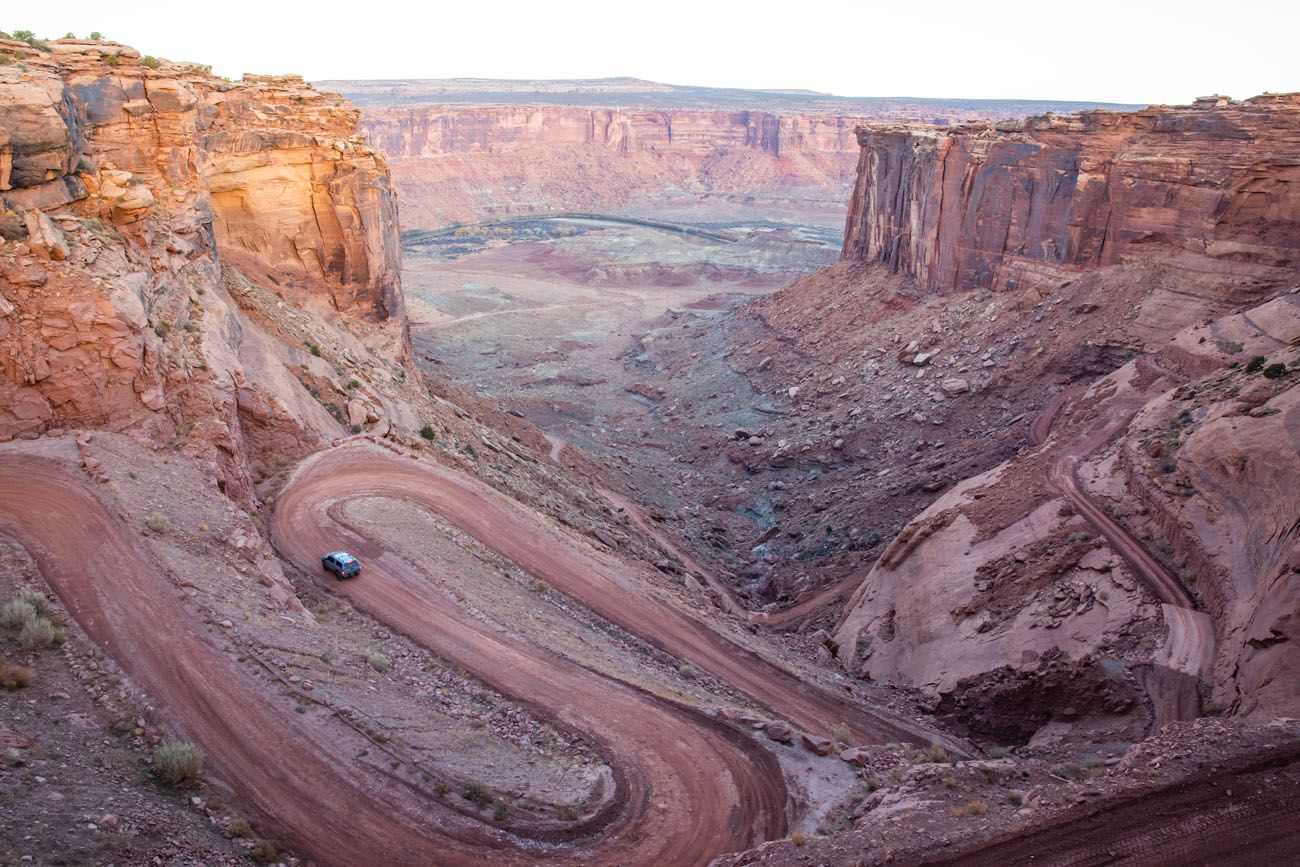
(1188, 650)
(686, 787)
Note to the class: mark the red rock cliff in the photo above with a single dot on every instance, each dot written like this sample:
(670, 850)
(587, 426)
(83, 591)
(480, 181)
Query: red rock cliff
(995, 205)
(459, 163)
(129, 192)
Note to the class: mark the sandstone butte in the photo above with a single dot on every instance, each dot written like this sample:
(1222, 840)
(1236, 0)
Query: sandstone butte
(1005, 206)
(159, 179)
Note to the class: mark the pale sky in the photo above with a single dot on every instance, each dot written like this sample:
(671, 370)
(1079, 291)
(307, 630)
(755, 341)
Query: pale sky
(1139, 51)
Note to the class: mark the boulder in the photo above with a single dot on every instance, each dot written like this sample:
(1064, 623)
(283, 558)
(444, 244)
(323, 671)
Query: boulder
(45, 238)
(780, 732)
(817, 744)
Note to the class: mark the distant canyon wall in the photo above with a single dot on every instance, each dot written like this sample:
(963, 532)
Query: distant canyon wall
(999, 205)
(468, 163)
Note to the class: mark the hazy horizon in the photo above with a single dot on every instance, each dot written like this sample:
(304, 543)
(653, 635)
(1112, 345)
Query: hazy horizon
(1128, 53)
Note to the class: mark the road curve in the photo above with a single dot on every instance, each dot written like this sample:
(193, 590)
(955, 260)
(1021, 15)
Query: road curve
(1189, 644)
(688, 787)
(302, 527)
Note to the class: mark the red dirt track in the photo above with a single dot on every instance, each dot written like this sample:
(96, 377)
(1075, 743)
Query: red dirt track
(687, 787)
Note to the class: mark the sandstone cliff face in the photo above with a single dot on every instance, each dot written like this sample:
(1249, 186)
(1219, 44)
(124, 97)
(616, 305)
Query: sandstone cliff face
(1014, 204)
(127, 190)
(461, 163)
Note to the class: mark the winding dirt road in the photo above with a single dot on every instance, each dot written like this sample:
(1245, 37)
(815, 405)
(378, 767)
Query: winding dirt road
(687, 787)
(303, 526)
(1189, 645)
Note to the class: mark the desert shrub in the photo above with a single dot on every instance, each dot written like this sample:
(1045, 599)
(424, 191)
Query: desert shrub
(353, 384)
(950, 782)
(477, 795)
(15, 676)
(1167, 465)
(873, 784)
(112, 59)
(427, 432)
(177, 763)
(239, 827)
(540, 586)
(264, 851)
(1256, 363)
(971, 808)
(315, 350)
(1015, 798)
(565, 813)
(30, 38)
(356, 429)
(378, 661)
(96, 35)
(36, 599)
(686, 670)
(841, 733)
(931, 755)
(16, 612)
(799, 838)
(501, 813)
(1275, 371)
(39, 632)
(158, 522)
(997, 752)
(598, 790)
(150, 61)
(1067, 771)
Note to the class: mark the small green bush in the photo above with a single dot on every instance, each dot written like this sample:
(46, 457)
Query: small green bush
(150, 61)
(158, 522)
(378, 661)
(1275, 371)
(1256, 363)
(16, 612)
(112, 60)
(177, 763)
(315, 350)
(239, 827)
(96, 35)
(427, 432)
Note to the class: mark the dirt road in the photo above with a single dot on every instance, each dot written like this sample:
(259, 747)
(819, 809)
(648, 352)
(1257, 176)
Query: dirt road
(1189, 644)
(686, 786)
(303, 527)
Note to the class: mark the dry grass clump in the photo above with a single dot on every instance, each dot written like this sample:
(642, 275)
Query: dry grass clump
(264, 851)
(798, 838)
(971, 808)
(378, 661)
(158, 522)
(15, 612)
(37, 633)
(933, 754)
(15, 676)
(177, 763)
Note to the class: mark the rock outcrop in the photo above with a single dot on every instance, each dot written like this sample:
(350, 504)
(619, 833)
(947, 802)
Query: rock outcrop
(1011, 205)
(129, 192)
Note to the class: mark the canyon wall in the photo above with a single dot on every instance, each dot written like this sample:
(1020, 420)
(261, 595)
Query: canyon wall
(467, 163)
(1004, 205)
(130, 190)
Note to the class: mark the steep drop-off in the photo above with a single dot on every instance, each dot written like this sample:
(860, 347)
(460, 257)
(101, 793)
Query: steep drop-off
(1015, 204)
